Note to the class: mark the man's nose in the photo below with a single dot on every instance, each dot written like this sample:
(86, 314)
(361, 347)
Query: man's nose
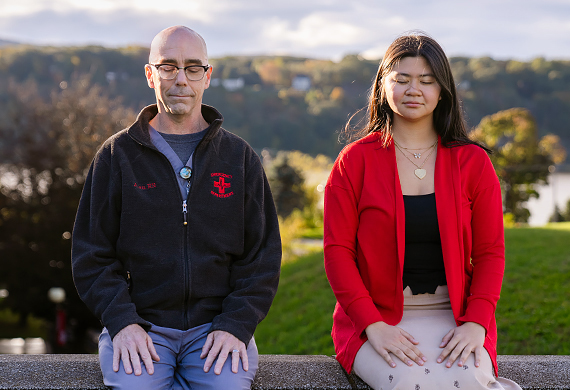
(181, 78)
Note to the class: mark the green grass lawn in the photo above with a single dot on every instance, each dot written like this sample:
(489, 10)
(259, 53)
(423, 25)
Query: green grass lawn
(300, 319)
(533, 313)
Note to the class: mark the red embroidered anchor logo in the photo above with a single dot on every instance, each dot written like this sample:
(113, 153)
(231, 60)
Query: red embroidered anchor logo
(221, 185)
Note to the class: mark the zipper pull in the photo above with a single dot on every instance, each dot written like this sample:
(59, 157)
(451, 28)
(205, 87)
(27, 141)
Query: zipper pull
(185, 212)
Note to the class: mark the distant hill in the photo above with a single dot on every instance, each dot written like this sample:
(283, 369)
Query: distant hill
(291, 103)
(4, 42)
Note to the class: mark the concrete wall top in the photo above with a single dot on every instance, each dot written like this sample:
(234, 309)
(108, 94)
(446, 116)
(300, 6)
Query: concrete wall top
(276, 372)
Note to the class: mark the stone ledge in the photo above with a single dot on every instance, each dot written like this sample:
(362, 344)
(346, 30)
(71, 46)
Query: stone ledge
(276, 372)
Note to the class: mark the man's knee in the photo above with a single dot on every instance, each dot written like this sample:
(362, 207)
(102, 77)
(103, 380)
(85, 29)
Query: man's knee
(162, 378)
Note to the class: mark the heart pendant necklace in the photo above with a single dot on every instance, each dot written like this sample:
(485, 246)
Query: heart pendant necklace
(419, 171)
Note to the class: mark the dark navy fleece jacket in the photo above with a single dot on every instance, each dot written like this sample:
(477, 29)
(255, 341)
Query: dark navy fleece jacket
(134, 260)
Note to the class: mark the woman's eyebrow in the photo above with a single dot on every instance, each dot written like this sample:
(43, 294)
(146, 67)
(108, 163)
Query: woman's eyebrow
(409, 75)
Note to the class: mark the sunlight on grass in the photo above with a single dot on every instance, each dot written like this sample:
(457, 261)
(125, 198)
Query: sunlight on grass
(532, 315)
(300, 319)
(534, 312)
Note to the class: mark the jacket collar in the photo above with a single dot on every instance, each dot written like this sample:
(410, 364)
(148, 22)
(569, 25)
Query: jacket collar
(139, 130)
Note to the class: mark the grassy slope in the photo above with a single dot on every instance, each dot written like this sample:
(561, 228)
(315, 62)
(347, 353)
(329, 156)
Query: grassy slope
(533, 313)
(300, 318)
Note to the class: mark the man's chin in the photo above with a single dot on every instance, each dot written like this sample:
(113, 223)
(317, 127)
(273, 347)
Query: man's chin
(178, 109)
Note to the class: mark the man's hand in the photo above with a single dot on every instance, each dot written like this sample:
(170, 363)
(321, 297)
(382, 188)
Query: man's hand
(463, 340)
(386, 338)
(128, 344)
(220, 344)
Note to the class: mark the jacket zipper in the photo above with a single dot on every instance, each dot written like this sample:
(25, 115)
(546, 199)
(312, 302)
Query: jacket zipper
(186, 271)
(187, 283)
(187, 276)
(186, 266)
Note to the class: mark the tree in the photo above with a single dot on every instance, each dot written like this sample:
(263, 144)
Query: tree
(520, 158)
(566, 215)
(287, 186)
(45, 150)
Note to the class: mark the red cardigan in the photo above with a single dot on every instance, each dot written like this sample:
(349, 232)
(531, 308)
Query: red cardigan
(364, 239)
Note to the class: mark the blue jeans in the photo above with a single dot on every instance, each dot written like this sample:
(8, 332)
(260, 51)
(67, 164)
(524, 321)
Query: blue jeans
(180, 366)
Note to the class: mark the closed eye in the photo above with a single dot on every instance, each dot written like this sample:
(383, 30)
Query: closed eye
(194, 69)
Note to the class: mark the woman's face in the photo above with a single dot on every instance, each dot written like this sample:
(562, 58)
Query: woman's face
(412, 90)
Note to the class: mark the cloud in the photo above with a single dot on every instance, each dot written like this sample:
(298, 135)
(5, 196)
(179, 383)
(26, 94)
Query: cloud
(317, 28)
(314, 30)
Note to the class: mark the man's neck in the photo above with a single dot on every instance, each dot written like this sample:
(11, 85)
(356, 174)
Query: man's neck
(178, 124)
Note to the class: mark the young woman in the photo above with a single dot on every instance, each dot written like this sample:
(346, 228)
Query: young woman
(414, 244)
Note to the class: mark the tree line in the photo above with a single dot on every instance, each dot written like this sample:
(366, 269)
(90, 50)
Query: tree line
(270, 113)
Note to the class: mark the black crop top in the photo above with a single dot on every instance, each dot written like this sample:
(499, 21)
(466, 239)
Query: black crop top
(423, 260)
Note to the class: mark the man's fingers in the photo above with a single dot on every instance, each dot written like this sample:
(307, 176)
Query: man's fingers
(135, 361)
(152, 350)
(206, 348)
(221, 360)
(221, 346)
(235, 360)
(243, 355)
(213, 352)
(147, 360)
(116, 359)
(126, 362)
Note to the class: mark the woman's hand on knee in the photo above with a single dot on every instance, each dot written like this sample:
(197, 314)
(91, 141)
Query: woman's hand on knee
(460, 342)
(386, 338)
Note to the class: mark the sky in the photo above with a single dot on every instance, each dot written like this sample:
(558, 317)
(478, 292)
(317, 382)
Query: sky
(519, 29)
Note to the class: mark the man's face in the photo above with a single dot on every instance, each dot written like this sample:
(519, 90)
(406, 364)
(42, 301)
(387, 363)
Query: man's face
(178, 96)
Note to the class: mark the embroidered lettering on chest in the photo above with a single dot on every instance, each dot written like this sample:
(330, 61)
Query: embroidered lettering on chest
(222, 185)
(146, 186)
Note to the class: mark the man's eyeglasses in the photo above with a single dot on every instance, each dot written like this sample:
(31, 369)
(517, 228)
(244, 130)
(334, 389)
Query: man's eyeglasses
(170, 72)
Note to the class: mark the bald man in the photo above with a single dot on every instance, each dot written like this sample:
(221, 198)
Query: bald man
(176, 244)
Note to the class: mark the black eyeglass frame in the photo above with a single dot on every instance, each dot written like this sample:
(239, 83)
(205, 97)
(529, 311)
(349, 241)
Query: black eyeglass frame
(205, 67)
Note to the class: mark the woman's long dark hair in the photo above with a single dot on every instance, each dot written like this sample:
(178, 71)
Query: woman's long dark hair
(448, 117)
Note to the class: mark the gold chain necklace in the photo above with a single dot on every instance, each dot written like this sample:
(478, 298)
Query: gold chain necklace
(417, 155)
(419, 172)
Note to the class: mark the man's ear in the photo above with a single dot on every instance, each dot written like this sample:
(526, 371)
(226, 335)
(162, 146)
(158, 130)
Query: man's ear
(208, 77)
(148, 74)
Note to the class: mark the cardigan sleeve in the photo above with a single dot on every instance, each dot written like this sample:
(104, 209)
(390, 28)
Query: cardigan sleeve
(341, 221)
(488, 250)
